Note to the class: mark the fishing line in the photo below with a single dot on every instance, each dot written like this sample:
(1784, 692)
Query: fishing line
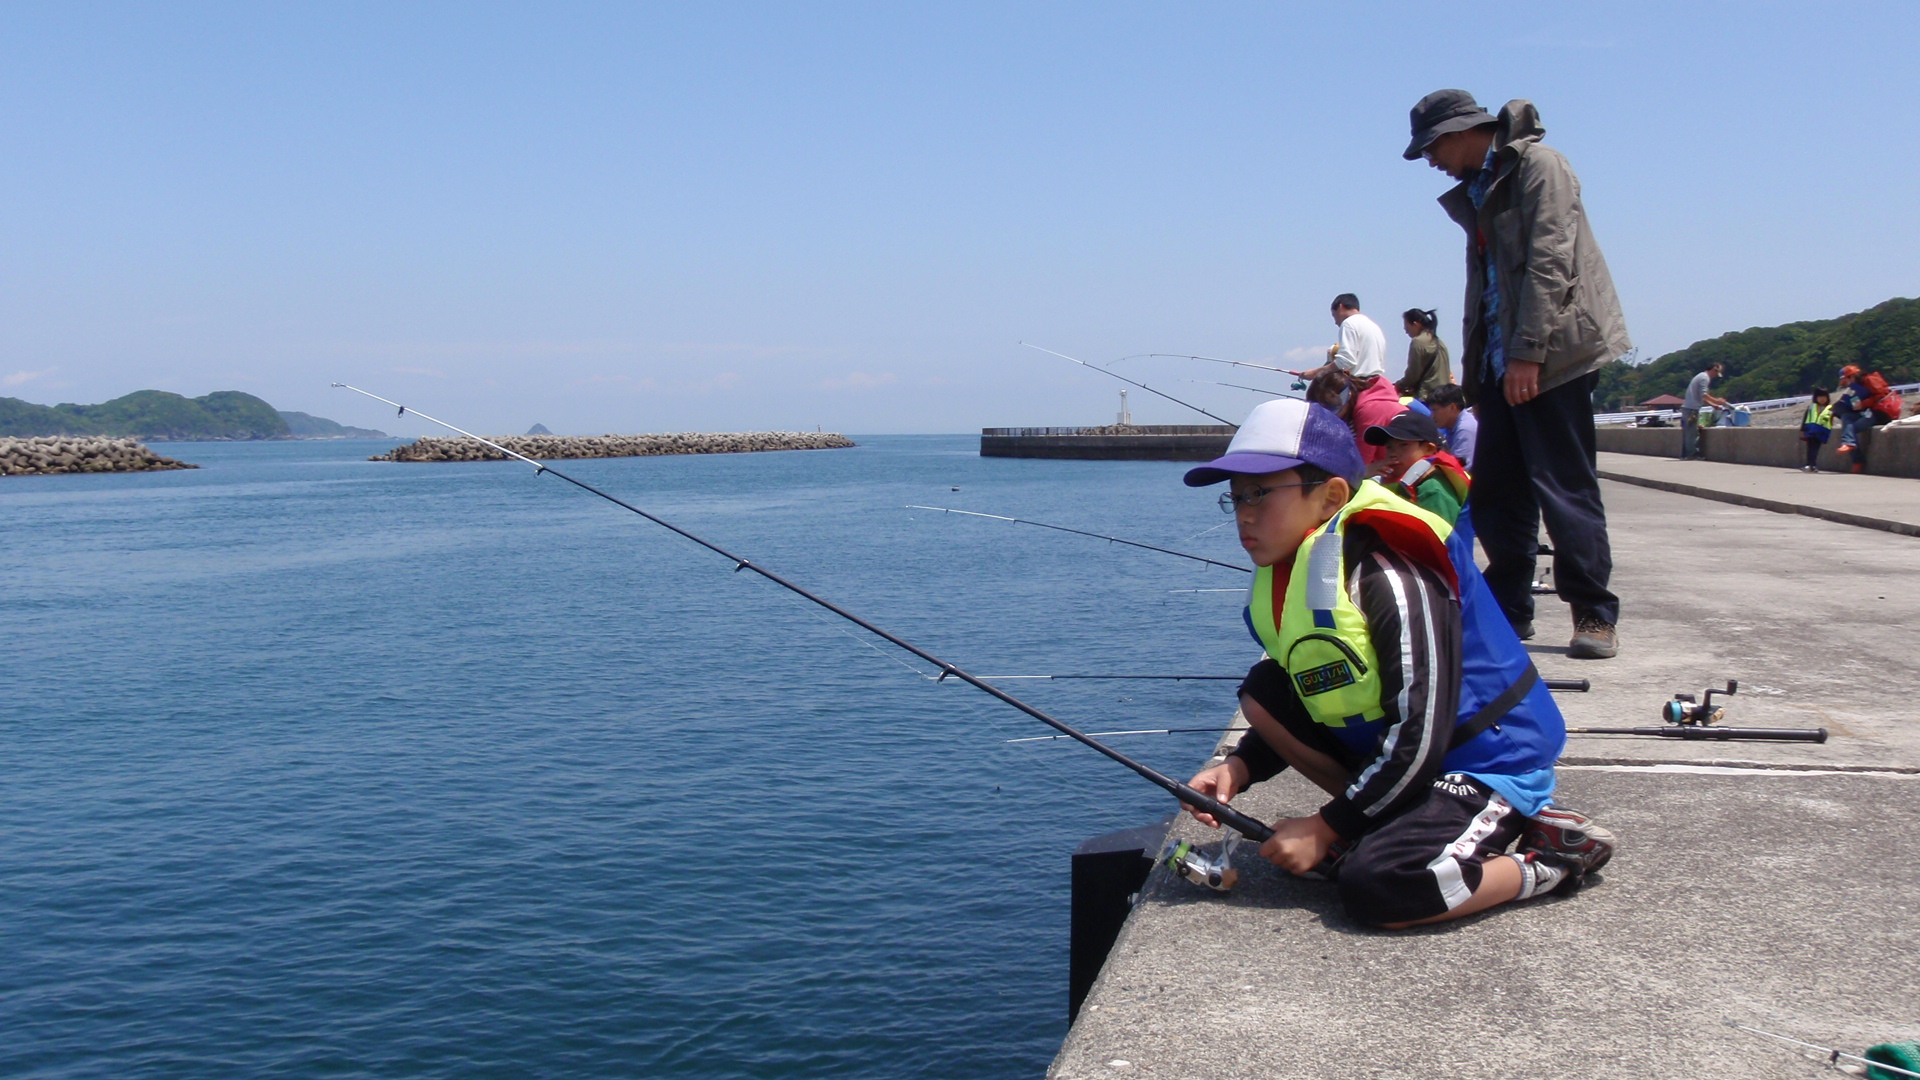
(1236, 386)
(1143, 731)
(1204, 532)
(1130, 382)
(1246, 826)
(1083, 532)
(838, 629)
(1217, 360)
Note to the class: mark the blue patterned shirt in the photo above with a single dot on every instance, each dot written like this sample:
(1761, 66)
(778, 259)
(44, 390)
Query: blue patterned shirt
(1496, 350)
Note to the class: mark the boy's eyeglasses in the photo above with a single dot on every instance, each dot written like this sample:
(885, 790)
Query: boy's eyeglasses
(1229, 502)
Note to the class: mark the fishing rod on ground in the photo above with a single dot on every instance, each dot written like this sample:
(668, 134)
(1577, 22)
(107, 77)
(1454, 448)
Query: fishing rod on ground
(1130, 382)
(1184, 862)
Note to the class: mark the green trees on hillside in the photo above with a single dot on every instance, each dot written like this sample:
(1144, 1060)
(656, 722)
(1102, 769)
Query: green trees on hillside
(150, 414)
(1778, 361)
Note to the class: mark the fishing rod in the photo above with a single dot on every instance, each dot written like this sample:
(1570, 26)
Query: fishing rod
(1217, 360)
(1246, 826)
(1083, 532)
(1130, 382)
(1833, 1056)
(1704, 732)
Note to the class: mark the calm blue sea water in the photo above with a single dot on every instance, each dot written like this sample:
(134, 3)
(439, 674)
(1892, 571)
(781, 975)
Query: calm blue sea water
(318, 767)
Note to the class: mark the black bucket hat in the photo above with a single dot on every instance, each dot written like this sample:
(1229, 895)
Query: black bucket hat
(1441, 112)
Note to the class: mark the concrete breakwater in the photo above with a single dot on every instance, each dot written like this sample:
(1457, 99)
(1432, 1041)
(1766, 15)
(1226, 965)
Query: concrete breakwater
(436, 448)
(50, 454)
(1110, 442)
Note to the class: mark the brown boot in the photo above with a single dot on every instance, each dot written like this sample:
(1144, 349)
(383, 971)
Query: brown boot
(1593, 639)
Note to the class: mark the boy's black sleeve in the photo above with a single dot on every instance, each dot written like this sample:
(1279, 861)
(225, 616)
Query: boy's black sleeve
(1414, 621)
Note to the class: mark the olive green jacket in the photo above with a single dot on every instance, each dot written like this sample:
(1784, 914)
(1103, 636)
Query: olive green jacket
(1557, 304)
(1428, 367)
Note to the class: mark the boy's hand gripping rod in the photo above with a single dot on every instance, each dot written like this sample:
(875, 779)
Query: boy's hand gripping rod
(1241, 823)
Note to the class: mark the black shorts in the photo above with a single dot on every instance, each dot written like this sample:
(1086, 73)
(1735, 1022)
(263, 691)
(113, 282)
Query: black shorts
(1423, 862)
(1427, 861)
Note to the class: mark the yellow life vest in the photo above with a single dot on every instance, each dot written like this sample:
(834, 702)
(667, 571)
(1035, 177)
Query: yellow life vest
(1320, 636)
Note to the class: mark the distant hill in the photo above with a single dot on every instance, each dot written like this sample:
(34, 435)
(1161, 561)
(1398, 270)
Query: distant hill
(158, 416)
(304, 426)
(538, 429)
(152, 415)
(1778, 361)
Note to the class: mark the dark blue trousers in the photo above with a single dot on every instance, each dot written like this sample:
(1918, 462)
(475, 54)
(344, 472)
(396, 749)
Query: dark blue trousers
(1536, 461)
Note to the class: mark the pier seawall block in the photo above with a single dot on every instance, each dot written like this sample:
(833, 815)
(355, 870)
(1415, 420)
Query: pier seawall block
(1158, 442)
(1890, 452)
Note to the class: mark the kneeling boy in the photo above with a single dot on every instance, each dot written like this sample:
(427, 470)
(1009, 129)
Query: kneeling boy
(1419, 468)
(1393, 682)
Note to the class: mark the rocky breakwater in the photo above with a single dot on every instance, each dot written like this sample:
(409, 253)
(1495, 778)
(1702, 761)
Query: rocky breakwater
(554, 447)
(49, 454)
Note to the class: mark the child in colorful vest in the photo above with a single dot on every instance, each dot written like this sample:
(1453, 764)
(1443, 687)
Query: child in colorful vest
(1394, 683)
(1420, 469)
(1816, 425)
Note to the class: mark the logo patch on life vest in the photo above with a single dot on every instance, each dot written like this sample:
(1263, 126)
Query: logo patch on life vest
(1324, 678)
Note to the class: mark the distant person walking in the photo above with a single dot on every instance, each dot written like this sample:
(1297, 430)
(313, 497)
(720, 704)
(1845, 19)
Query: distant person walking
(1697, 398)
(1457, 423)
(1428, 367)
(1816, 424)
(1362, 350)
(1541, 319)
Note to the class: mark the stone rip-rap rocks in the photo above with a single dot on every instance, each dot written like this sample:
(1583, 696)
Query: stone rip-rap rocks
(49, 454)
(435, 448)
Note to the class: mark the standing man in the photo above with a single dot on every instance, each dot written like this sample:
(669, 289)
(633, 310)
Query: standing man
(1696, 399)
(1541, 320)
(1362, 351)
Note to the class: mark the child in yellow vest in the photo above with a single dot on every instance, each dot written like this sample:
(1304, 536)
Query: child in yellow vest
(1394, 683)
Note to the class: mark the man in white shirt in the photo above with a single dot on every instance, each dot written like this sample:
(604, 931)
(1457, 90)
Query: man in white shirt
(1363, 346)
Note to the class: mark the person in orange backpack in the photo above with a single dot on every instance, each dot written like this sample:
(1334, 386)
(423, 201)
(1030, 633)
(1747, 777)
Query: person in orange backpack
(1865, 400)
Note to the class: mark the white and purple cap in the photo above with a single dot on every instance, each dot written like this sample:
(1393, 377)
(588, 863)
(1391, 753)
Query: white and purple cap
(1284, 434)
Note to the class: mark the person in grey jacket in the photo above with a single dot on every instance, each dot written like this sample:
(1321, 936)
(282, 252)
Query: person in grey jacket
(1541, 319)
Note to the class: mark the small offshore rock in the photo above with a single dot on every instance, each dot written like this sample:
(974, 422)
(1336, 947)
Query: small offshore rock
(47, 455)
(559, 447)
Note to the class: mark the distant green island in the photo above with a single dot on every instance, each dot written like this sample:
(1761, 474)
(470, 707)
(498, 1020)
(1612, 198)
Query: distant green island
(1778, 361)
(158, 416)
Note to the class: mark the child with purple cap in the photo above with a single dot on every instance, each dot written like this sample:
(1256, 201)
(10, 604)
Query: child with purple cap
(1394, 683)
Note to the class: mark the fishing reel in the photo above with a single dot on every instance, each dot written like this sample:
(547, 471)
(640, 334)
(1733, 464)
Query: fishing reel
(1683, 710)
(1216, 872)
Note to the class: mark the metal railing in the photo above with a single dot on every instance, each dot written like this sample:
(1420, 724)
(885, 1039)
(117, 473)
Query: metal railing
(1766, 405)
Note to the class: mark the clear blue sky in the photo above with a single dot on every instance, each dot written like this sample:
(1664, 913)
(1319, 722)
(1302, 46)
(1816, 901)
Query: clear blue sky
(710, 217)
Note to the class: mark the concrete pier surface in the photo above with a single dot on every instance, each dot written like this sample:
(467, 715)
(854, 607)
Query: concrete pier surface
(1768, 883)
(1877, 502)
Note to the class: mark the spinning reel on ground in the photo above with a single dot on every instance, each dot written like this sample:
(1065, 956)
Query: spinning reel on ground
(1684, 711)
